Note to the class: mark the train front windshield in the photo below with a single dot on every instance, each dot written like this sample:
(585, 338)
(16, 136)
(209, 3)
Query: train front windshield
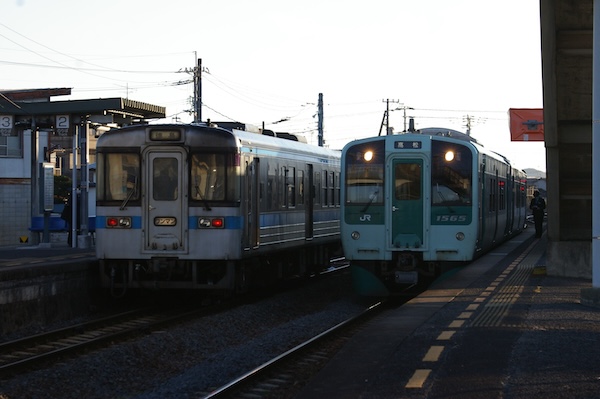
(118, 176)
(365, 173)
(451, 174)
(213, 177)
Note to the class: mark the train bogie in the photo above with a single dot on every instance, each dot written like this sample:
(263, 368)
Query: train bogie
(413, 202)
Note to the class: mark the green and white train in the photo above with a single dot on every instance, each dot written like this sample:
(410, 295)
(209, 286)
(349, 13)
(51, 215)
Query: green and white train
(412, 202)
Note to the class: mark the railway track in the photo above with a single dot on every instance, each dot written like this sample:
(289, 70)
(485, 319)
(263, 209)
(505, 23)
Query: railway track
(285, 374)
(31, 352)
(281, 375)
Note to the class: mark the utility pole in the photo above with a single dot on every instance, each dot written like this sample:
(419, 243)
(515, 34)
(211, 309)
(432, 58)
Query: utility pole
(404, 107)
(198, 92)
(386, 116)
(320, 121)
(468, 121)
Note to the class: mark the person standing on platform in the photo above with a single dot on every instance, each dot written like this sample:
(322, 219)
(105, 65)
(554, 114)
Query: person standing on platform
(537, 206)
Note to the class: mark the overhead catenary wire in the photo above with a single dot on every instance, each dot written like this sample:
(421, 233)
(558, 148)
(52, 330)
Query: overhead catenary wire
(273, 103)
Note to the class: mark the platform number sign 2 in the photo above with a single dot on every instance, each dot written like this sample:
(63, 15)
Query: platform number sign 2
(62, 125)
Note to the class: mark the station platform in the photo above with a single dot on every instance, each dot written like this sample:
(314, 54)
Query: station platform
(497, 328)
(44, 284)
(27, 255)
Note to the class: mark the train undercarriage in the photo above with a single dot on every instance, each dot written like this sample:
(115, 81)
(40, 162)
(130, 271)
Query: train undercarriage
(217, 277)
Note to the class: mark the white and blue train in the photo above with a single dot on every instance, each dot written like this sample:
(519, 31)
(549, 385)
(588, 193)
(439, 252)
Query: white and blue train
(413, 201)
(212, 207)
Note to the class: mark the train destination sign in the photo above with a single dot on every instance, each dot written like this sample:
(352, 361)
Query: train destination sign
(407, 145)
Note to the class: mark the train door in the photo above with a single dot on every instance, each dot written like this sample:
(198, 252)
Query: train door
(166, 212)
(252, 227)
(407, 202)
(308, 193)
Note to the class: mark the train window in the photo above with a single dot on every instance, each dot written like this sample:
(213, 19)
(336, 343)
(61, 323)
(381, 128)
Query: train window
(364, 173)
(337, 188)
(301, 187)
(209, 180)
(272, 177)
(331, 186)
(118, 176)
(317, 188)
(324, 187)
(290, 178)
(502, 189)
(451, 174)
(407, 181)
(492, 207)
(165, 180)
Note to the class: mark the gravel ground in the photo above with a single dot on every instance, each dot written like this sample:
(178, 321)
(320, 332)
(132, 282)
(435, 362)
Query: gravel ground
(196, 357)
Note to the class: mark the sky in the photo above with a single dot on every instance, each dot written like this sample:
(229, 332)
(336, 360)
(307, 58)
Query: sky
(266, 61)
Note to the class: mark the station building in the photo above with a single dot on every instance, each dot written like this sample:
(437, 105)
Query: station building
(37, 141)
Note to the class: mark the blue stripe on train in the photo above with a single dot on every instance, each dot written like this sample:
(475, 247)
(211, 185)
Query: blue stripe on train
(237, 222)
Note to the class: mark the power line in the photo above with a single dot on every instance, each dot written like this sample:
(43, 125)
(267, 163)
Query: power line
(27, 64)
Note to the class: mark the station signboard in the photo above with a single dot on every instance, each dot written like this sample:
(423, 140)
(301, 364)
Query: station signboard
(526, 124)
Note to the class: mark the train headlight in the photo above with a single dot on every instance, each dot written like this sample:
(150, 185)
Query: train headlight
(368, 156)
(460, 236)
(355, 235)
(203, 222)
(449, 156)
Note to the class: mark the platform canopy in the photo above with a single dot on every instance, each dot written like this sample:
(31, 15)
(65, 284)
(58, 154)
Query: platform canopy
(24, 105)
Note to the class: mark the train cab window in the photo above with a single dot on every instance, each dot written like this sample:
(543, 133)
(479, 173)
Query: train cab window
(118, 176)
(364, 179)
(208, 177)
(451, 174)
(165, 180)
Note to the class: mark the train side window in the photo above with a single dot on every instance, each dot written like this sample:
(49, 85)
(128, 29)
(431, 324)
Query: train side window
(492, 207)
(301, 187)
(325, 188)
(290, 178)
(337, 189)
(317, 188)
(502, 194)
(271, 186)
(331, 188)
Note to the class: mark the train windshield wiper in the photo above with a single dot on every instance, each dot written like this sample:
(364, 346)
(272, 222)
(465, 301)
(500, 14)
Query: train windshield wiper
(199, 195)
(371, 199)
(444, 201)
(130, 193)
